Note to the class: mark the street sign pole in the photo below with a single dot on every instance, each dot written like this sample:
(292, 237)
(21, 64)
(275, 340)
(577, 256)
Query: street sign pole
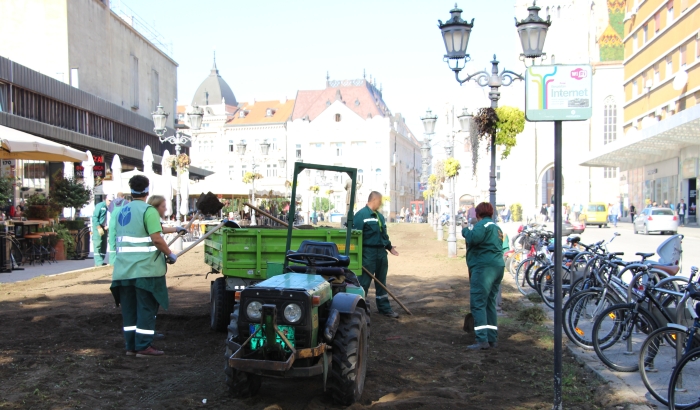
(558, 205)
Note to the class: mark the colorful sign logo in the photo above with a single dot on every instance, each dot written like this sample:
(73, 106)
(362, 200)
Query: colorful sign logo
(558, 93)
(579, 74)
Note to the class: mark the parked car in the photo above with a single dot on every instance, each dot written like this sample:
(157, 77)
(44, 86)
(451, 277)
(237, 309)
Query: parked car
(659, 220)
(578, 227)
(596, 213)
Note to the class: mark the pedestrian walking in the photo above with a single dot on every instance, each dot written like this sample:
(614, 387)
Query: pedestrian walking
(616, 212)
(375, 245)
(633, 212)
(402, 214)
(681, 209)
(138, 278)
(550, 212)
(543, 212)
(99, 231)
(485, 243)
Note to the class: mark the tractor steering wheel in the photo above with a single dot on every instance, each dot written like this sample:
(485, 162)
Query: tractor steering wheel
(312, 259)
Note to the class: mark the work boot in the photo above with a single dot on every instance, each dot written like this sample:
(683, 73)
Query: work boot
(131, 352)
(391, 314)
(479, 346)
(149, 351)
(493, 345)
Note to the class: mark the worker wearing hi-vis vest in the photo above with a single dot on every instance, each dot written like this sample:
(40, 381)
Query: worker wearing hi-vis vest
(375, 245)
(486, 265)
(99, 231)
(138, 279)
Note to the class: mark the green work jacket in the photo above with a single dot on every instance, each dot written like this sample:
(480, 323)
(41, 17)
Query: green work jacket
(99, 217)
(136, 255)
(484, 244)
(373, 227)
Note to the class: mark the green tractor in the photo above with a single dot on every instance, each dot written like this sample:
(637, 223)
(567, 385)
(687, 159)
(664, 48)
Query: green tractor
(311, 320)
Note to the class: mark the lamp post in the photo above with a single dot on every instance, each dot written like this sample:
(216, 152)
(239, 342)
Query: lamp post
(455, 33)
(264, 150)
(451, 233)
(179, 139)
(429, 129)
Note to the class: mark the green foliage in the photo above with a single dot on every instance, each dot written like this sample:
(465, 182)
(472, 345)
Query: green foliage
(322, 204)
(435, 182)
(69, 193)
(314, 189)
(37, 199)
(249, 177)
(329, 192)
(511, 122)
(534, 315)
(6, 189)
(516, 212)
(452, 167)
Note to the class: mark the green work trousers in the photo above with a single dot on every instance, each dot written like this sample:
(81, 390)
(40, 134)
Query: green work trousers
(484, 285)
(99, 246)
(375, 260)
(139, 308)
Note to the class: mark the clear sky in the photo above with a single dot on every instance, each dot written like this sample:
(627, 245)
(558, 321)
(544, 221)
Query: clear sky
(270, 49)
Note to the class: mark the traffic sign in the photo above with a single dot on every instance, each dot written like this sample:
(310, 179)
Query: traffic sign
(558, 93)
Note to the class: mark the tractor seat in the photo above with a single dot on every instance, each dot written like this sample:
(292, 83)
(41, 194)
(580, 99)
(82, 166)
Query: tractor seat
(645, 254)
(670, 269)
(323, 248)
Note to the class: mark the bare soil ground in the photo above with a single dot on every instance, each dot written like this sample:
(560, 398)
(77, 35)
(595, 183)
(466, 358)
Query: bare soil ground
(61, 347)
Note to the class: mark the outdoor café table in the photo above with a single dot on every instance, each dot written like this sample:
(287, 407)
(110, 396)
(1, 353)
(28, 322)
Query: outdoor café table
(26, 227)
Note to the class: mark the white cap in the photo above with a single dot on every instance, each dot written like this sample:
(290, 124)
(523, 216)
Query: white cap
(110, 197)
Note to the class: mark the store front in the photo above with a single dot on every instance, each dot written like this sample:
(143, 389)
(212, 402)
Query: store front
(661, 182)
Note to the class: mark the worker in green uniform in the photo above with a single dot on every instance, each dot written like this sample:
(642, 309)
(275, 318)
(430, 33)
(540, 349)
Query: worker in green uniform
(485, 264)
(375, 244)
(138, 280)
(114, 208)
(99, 231)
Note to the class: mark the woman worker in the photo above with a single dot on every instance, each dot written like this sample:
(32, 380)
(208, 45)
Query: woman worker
(158, 202)
(485, 264)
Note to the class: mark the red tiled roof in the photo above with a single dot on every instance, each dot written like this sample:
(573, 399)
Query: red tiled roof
(358, 95)
(257, 112)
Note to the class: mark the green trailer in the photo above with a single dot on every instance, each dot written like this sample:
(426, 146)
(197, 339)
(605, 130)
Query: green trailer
(246, 256)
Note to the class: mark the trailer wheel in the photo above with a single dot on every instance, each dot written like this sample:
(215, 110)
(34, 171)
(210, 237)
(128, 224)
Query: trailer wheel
(349, 364)
(221, 304)
(240, 384)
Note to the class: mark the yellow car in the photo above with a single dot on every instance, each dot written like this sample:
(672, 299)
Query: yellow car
(596, 213)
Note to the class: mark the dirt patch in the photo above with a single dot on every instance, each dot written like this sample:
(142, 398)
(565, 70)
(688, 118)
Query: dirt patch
(61, 347)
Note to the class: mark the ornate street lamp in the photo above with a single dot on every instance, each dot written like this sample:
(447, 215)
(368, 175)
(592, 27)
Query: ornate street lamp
(195, 117)
(429, 122)
(282, 162)
(455, 34)
(465, 121)
(159, 119)
(533, 31)
(264, 147)
(240, 147)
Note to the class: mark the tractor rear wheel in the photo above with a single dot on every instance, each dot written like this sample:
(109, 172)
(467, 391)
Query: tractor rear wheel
(221, 304)
(350, 353)
(240, 384)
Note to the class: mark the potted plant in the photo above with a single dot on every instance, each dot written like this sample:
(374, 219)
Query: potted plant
(37, 207)
(69, 193)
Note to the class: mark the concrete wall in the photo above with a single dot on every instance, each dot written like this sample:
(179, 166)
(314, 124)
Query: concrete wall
(35, 34)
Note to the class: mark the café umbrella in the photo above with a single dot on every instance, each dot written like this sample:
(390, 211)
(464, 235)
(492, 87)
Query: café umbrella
(15, 144)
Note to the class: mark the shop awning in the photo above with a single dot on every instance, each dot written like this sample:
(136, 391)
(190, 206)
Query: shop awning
(652, 144)
(20, 145)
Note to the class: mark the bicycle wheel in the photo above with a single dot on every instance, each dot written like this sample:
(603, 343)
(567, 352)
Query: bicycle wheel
(545, 285)
(618, 335)
(520, 280)
(580, 313)
(657, 359)
(683, 387)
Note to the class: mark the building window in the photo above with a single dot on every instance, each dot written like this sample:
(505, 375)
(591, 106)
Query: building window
(337, 118)
(669, 13)
(134, 82)
(635, 89)
(657, 21)
(378, 174)
(274, 170)
(683, 53)
(74, 77)
(338, 149)
(669, 66)
(269, 112)
(558, 11)
(243, 170)
(155, 89)
(241, 114)
(269, 170)
(645, 31)
(657, 75)
(231, 170)
(498, 172)
(697, 47)
(273, 145)
(610, 172)
(231, 146)
(298, 149)
(360, 176)
(635, 43)
(609, 120)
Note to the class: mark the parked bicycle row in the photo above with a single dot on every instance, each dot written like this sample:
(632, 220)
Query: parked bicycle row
(637, 315)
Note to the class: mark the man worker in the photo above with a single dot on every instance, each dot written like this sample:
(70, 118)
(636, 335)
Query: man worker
(138, 279)
(375, 244)
(99, 231)
(114, 208)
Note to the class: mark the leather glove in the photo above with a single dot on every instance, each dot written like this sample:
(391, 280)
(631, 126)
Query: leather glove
(180, 230)
(172, 258)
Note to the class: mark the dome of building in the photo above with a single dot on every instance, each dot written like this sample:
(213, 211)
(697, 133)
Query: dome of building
(213, 89)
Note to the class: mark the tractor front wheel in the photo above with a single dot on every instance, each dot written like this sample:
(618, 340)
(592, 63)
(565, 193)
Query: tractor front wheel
(220, 304)
(350, 352)
(240, 384)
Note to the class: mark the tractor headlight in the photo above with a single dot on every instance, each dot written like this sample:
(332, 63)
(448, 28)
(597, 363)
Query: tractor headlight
(254, 310)
(292, 313)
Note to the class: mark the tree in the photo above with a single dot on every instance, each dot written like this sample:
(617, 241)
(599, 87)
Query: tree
(69, 193)
(6, 189)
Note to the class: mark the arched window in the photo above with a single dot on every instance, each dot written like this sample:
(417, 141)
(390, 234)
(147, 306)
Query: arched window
(558, 11)
(360, 175)
(337, 118)
(609, 120)
(378, 174)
